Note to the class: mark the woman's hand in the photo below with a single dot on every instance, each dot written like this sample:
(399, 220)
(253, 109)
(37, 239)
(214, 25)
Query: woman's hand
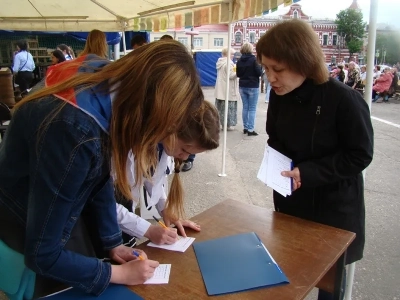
(122, 254)
(295, 174)
(180, 224)
(133, 272)
(159, 235)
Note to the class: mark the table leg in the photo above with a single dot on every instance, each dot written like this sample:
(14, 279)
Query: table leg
(338, 292)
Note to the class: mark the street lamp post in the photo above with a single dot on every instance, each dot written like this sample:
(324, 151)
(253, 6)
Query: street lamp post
(384, 56)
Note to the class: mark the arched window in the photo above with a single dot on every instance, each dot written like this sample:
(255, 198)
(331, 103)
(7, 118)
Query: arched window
(295, 14)
(252, 37)
(238, 37)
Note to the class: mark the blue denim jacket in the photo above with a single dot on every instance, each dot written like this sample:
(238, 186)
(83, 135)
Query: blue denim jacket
(50, 168)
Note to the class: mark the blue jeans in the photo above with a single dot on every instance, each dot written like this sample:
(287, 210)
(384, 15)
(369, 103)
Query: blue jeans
(249, 98)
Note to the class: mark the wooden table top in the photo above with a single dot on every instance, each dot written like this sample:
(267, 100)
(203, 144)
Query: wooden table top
(304, 250)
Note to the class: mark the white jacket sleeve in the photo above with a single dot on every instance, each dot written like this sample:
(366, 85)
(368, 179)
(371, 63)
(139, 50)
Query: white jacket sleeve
(131, 223)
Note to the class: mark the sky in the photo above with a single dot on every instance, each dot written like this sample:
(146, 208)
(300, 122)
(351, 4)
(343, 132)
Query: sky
(388, 10)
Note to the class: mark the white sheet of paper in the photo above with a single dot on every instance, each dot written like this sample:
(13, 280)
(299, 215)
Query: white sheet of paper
(161, 275)
(262, 172)
(180, 245)
(270, 170)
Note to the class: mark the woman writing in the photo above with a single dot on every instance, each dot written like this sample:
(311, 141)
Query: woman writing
(92, 113)
(200, 134)
(324, 126)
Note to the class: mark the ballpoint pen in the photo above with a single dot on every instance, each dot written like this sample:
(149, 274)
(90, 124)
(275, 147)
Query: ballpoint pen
(163, 225)
(137, 255)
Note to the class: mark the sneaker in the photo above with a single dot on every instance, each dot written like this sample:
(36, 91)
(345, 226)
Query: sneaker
(250, 133)
(187, 166)
(245, 131)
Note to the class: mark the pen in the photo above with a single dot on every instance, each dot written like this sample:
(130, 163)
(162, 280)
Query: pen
(162, 224)
(137, 255)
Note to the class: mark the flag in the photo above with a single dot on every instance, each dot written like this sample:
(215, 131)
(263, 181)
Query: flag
(295, 1)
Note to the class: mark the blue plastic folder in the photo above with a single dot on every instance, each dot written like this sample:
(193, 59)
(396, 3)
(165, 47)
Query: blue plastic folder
(237, 263)
(113, 292)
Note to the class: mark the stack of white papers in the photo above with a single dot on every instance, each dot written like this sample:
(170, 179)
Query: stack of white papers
(271, 168)
(180, 245)
(161, 275)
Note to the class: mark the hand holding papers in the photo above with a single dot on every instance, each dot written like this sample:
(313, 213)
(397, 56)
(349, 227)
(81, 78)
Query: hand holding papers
(180, 245)
(273, 164)
(161, 275)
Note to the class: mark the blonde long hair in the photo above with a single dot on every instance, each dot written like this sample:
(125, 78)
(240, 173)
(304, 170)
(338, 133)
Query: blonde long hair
(156, 91)
(202, 130)
(96, 43)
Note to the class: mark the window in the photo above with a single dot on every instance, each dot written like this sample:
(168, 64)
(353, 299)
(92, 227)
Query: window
(218, 42)
(333, 60)
(295, 14)
(183, 40)
(252, 37)
(325, 39)
(262, 32)
(156, 39)
(197, 42)
(334, 40)
(238, 37)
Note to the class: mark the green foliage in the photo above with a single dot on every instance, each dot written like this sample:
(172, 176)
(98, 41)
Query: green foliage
(350, 25)
(389, 41)
(354, 46)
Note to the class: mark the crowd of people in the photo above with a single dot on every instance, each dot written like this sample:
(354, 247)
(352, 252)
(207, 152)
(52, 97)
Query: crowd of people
(385, 81)
(131, 122)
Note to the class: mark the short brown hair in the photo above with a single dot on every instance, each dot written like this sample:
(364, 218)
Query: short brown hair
(296, 44)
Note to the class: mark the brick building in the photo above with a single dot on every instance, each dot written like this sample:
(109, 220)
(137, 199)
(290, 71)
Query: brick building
(332, 44)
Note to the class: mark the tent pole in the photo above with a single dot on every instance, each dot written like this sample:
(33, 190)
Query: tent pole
(371, 50)
(373, 15)
(228, 66)
(124, 41)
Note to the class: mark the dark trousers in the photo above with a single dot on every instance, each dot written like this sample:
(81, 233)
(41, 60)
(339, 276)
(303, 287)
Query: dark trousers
(24, 80)
(191, 158)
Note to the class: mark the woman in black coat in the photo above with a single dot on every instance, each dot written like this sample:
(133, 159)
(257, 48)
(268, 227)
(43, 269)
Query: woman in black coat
(324, 126)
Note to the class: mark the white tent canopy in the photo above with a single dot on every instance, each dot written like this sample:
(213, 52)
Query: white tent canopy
(120, 15)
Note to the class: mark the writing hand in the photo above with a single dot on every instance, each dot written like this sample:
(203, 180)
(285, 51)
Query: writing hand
(159, 235)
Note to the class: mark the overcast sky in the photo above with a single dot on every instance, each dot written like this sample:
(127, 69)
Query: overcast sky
(388, 10)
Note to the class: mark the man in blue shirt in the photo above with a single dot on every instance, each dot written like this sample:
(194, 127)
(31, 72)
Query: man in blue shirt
(23, 66)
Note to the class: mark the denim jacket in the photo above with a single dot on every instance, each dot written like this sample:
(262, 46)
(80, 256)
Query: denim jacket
(50, 168)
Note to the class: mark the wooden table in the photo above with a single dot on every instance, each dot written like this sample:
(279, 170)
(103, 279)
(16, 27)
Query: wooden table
(304, 250)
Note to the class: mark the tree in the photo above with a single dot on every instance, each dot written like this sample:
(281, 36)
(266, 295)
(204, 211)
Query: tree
(354, 46)
(388, 43)
(351, 27)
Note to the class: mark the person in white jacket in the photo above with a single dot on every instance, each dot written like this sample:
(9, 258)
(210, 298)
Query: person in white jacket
(201, 134)
(220, 89)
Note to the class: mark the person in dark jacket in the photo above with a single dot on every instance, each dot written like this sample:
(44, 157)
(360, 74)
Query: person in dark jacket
(324, 126)
(248, 71)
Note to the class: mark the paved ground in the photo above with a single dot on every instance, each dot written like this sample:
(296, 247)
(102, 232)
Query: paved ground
(377, 275)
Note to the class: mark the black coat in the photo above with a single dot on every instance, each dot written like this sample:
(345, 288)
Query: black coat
(248, 71)
(326, 130)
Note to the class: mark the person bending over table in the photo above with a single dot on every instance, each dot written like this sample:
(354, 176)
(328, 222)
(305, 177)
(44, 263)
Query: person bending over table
(200, 134)
(324, 126)
(56, 157)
